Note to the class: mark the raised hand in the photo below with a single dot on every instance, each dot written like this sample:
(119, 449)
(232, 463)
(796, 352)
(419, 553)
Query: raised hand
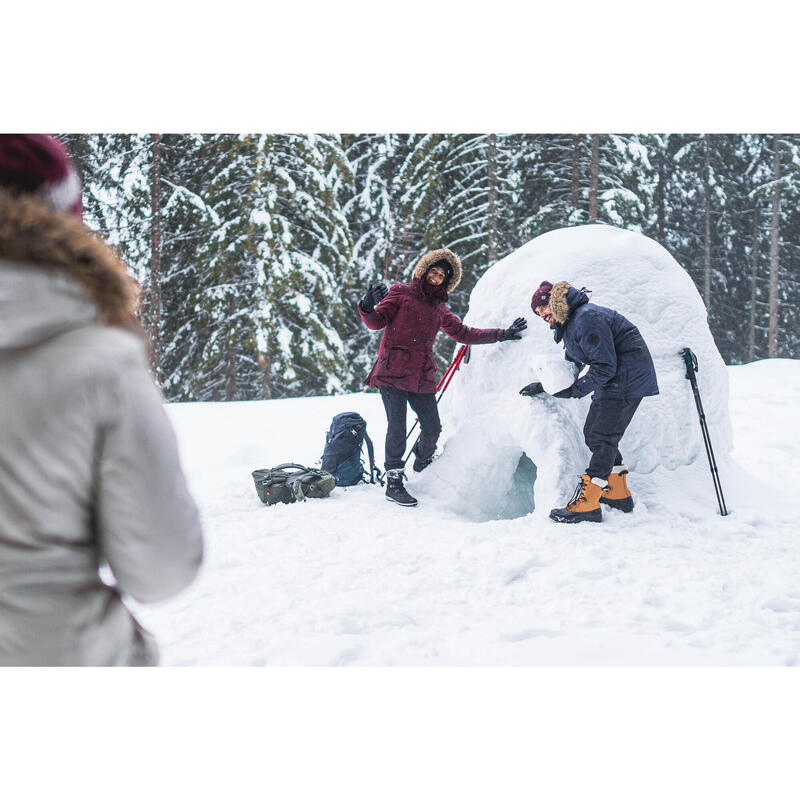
(512, 331)
(373, 296)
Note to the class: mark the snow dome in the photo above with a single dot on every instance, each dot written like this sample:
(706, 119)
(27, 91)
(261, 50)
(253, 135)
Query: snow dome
(505, 455)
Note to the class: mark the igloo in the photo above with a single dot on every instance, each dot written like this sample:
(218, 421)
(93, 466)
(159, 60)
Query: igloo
(505, 455)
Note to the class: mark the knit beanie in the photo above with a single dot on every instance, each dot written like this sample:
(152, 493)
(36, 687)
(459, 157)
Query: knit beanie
(36, 164)
(541, 297)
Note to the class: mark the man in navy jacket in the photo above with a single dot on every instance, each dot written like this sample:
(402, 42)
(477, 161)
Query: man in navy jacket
(620, 374)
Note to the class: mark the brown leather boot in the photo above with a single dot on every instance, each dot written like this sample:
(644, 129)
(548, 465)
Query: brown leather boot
(585, 503)
(618, 494)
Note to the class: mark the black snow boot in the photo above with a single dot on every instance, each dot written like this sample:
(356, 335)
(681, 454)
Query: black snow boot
(421, 463)
(395, 491)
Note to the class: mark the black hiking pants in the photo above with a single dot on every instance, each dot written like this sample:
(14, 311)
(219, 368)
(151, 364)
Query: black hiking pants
(395, 402)
(605, 423)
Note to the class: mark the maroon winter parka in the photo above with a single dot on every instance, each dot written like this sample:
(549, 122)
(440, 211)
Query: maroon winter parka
(412, 319)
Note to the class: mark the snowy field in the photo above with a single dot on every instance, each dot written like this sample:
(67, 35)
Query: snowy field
(353, 579)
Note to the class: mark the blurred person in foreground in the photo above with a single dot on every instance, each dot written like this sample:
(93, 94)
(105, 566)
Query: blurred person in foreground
(89, 467)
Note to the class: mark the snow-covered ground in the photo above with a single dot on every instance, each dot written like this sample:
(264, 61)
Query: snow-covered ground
(353, 579)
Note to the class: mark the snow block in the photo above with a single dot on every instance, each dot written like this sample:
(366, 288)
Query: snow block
(489, 426)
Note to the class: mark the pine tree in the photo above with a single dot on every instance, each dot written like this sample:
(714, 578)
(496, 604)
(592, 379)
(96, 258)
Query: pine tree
(306, 252)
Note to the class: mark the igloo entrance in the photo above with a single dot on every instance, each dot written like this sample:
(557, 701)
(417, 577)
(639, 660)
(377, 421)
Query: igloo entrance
(519, 500)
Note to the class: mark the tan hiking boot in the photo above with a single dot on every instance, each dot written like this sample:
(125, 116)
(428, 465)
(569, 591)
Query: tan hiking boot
(585, 503)
(618, 494)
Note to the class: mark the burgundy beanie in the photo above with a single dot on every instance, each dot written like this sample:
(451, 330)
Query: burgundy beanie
(541, 297)
(37, 164)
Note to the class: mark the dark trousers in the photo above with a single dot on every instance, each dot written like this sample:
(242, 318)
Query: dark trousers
(424, 406)
(605, 423)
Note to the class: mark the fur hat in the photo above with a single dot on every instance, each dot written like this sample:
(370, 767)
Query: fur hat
(38, 165)
(433, 257)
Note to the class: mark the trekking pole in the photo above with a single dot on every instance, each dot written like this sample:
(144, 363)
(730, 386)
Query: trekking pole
(690, 359)
(443, 384)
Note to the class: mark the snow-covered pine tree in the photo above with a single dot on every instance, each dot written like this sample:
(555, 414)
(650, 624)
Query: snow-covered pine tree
(304, 252)
(475, 215)
(473, 199)
(778, 195)
(370, 208)
(550, 167)
(113, 170)
(214, 346)
(572, 179)
(389, 213)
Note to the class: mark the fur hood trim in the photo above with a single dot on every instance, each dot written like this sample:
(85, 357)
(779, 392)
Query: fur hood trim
(558, 302)
(442, 254)
(32, 233)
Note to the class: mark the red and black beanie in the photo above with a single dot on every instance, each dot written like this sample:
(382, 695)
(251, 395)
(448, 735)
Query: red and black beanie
(541, 297)
(37, 164)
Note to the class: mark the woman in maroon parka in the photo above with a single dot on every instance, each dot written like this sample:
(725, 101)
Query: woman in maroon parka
(404, 372)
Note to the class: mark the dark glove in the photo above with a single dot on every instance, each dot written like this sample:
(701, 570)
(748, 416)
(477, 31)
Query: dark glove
(512, 331)
(536, 388)
(373, 296)
(531, 389)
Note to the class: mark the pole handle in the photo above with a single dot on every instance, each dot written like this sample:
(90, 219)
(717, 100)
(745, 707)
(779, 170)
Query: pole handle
(690, 360)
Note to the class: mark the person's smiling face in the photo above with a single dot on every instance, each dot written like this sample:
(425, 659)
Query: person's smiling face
(435, 276)
(546, 313)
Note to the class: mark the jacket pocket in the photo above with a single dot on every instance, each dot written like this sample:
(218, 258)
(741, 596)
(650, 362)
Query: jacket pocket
(397, 362)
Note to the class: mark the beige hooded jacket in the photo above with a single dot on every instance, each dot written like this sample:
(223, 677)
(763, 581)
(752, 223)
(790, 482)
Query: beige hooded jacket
(89, 468)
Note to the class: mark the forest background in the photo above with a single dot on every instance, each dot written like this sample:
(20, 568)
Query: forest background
(253, 249)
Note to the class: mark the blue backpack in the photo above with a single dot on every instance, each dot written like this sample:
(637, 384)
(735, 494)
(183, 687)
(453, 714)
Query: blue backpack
(342, 455)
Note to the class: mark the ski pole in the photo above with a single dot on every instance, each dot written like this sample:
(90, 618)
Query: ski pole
(443, 384)
(690, 359)
(448, 373)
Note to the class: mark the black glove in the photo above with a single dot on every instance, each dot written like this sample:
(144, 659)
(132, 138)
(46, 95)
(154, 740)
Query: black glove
(531, 389)
(536, 388)
(512, 331)
(373, 296)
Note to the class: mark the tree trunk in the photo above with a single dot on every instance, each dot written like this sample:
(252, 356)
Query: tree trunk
(491, 222)
(391, 227)
(707, 235)
(751, 333)
(576, 172)
(595, 170)
(773, 250)
(155, 252)
(230, 357)
(266, 383)
(660, 191)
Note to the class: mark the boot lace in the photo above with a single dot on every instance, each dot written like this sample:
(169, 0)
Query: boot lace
(579, 493)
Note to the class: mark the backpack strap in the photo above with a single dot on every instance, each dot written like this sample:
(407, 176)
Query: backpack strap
(297, 480)
(297, 466)
(373, 470)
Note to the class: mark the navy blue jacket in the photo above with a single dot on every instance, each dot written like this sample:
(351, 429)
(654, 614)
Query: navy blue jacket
(620, 365)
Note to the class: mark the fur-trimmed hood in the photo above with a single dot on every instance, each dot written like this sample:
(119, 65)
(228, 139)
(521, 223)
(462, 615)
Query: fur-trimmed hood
(442, 254)
(66, 261)
(558, 302)
(564, 299)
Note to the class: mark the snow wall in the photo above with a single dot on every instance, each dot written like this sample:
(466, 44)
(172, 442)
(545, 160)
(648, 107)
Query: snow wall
(504, 455)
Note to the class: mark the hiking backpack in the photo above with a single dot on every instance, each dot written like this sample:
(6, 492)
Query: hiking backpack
(342, 455)
(288, 483)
